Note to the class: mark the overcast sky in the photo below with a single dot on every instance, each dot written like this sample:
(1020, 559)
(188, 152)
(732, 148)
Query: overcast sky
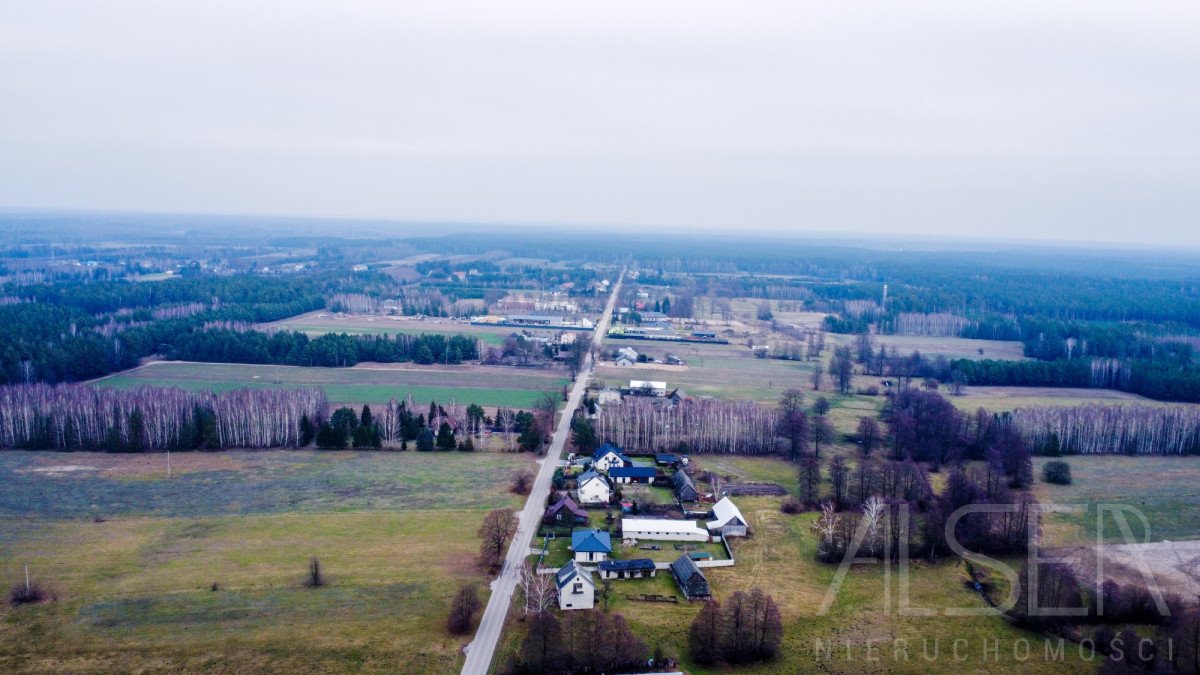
(1012, 119)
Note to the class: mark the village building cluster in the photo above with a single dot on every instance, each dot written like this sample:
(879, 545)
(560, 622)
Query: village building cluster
(618, 549)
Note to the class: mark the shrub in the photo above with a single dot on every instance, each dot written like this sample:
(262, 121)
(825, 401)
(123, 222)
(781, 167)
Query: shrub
(522, 482)
(791, 506)
(1057, 472)
(315, 577)
(463, 608)
(29, 593)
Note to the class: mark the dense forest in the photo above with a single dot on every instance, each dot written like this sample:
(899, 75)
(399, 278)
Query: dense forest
(70, 332)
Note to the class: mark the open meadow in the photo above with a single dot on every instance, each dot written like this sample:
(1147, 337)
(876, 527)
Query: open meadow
(949, 347)
(364, 383)
(1164, 489)
(203, 571)
(721, 371)
(320, 323)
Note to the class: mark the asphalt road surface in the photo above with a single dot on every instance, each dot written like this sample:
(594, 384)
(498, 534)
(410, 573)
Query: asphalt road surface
(483, 647)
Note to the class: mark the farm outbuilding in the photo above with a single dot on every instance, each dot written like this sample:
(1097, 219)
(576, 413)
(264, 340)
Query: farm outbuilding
(727, 519)
(627, 569)
(691, 580)
(663, 529)
(685, 489)
(632, 474)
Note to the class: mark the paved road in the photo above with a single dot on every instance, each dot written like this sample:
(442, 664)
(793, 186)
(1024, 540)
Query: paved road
(481, 649)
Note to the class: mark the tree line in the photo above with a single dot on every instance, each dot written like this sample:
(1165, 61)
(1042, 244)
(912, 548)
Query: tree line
(294, 348)
(1111, 429)
(79, 417)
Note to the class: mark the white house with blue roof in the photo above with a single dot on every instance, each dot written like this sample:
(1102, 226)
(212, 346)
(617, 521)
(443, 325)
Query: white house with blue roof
(607, 456)
(591, 545)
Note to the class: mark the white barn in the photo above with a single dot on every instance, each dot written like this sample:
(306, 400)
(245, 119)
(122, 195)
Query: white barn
(727, 519)
(658, 528)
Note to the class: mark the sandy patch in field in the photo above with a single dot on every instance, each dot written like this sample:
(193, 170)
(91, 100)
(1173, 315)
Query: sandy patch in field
(117, 465)
(59, 468)
(1174, 564)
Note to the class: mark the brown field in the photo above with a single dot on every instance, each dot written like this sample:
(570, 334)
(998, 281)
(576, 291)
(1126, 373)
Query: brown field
(949, 347)
(1010, 398)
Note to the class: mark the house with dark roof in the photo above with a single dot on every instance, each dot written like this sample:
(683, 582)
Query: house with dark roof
(591, 545)
(666, 459)
(638, 568)
(691, 580)
(607, 456)
(593, 488)
(576, 589)
(685, 489)
(632, 474)
(565, 512)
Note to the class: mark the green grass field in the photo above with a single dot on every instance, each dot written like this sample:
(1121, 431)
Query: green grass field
(320, 323)
(133, 557)
(1165, 489)
(487, 337)
(728, 372)
(466, 384)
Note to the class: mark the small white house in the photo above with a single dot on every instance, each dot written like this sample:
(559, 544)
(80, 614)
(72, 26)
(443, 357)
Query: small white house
(624, 362)
(663, 529)
(727, 519)
(593, 488)
(576, 589)
(608, 395)
(591, 546)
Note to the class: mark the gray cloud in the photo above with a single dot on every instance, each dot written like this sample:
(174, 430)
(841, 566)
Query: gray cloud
(1019, 119)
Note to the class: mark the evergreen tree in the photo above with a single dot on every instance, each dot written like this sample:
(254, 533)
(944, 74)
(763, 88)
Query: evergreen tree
(307, 431)
(425, 440)
(445, 437)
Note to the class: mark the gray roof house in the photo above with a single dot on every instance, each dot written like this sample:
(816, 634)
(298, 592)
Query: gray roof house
(576, 590)
(691, 580)
(685, 489)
